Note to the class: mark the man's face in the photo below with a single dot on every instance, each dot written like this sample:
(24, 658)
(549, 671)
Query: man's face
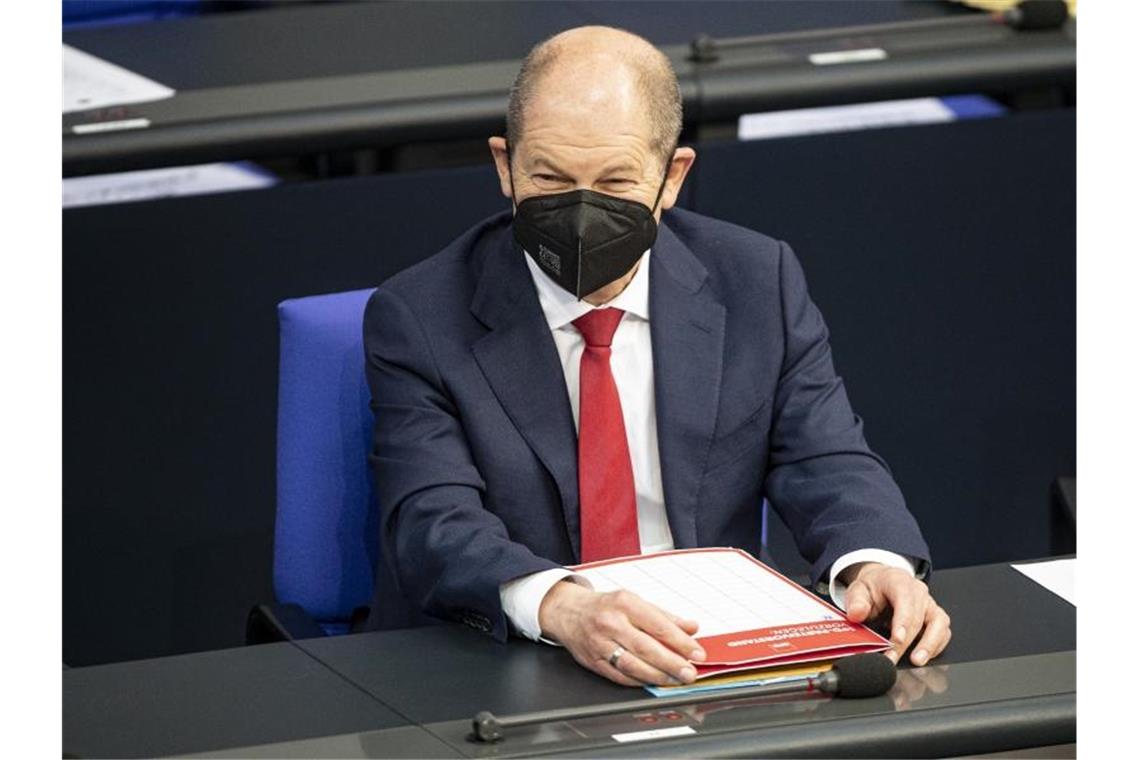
(586, 137)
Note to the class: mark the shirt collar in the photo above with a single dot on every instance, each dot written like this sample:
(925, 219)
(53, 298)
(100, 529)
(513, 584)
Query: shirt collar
(561, 308)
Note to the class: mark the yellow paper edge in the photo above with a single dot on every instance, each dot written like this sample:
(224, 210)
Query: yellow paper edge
(754, 675)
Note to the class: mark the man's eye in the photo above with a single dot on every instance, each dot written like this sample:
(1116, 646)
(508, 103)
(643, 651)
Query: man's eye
(548, 178)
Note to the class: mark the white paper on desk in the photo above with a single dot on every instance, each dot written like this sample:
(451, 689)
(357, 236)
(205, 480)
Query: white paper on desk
(147, 184)
(1059, 576)
(722, 589)
(91, 82)
(810, 121)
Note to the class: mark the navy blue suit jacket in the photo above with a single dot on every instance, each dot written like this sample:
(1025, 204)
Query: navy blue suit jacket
(475, 451)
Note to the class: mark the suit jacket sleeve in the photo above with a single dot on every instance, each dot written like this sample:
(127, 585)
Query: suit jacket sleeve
(833, 492)
(448, 553)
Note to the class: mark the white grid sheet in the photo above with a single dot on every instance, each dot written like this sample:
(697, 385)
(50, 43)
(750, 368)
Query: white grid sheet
(724, 591)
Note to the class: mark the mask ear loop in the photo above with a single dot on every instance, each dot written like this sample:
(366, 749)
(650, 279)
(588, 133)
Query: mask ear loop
(511, 176)
(660, 190)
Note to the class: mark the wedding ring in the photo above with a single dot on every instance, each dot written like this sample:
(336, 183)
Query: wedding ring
(616, 656)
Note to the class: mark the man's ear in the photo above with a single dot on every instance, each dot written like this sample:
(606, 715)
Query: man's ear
(683, 159)
(498, 146)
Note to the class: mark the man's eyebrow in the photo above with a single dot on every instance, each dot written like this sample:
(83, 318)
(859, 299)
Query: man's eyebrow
(621, 168)
(544, 162)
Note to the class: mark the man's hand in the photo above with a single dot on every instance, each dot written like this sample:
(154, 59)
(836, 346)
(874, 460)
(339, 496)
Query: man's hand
(592, 626)
(873, 589)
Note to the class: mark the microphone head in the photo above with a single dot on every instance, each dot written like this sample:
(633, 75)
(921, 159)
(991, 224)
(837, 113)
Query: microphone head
(864, 675)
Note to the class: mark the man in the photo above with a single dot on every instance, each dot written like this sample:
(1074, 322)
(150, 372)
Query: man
(580, 379)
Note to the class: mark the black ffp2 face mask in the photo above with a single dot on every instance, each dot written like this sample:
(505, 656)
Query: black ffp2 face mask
(584, 240)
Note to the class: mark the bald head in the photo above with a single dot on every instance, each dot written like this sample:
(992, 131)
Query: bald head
(599, 69)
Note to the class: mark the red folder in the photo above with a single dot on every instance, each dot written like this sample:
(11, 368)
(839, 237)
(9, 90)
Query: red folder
(750, 616)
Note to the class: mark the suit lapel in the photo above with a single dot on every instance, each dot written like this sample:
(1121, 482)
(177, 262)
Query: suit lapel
(520, 362)
(687, 327)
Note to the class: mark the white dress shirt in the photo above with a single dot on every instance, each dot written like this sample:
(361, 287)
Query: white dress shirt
(631, 361)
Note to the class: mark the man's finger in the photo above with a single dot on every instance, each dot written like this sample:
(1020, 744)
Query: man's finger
(603, 668)
(656, 655)
(688, 626)
(586, 658)
(935, 637)
(629, 664)
(657, 624)
(860, 605)
(906, 612)
(908, 600)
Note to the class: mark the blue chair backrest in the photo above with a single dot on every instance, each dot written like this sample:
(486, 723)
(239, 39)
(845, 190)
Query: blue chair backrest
(325, 546)
(78, 13)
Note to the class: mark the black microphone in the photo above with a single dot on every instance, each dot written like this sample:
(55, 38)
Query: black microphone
(1036, 14)
(862, 675)
(854, 677)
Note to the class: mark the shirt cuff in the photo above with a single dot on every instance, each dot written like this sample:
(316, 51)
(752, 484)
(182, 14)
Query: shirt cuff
(838, 591)
(522, 597)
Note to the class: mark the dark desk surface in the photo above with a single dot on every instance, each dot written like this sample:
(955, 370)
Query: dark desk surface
(1007, 680)
(197, 702)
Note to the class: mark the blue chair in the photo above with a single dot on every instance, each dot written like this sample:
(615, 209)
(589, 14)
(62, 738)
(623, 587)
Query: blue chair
(87, 13)
(326, 535)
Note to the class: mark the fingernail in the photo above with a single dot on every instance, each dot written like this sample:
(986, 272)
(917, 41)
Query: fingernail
(900, 634)
(688, 674)
(697, 654)
(892, 655)
(920, 657)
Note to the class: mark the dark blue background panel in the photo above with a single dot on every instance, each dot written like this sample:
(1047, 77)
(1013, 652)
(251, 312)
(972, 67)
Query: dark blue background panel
(170, 388)
(944, 260)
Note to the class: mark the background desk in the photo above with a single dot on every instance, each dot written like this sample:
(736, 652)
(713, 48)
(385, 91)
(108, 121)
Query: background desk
(320, 78)
(1008, 680)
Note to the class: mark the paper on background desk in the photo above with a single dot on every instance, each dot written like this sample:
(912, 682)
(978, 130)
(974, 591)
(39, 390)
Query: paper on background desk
(91, 82)
(856, 116)
(1059, 576)
(147, 184)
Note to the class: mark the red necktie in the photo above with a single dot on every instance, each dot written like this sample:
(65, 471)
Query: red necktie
(607, 503)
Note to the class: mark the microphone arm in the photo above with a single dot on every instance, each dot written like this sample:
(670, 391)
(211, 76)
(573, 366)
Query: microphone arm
(1028, 14)
(860, 675)
(489, 728)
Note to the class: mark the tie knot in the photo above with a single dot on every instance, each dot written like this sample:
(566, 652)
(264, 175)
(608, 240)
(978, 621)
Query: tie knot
(598, 326)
